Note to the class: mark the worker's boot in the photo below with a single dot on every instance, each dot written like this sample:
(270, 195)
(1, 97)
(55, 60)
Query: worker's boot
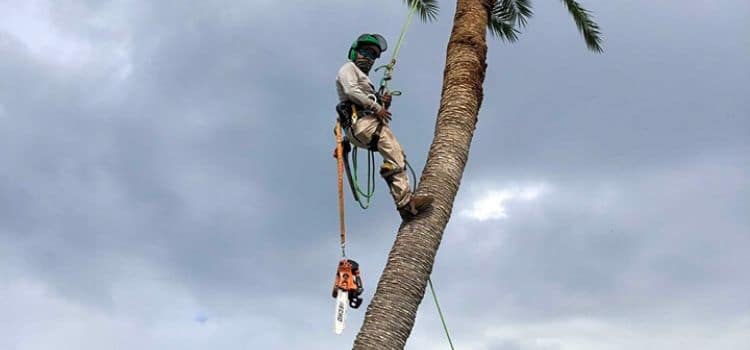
(416, 205)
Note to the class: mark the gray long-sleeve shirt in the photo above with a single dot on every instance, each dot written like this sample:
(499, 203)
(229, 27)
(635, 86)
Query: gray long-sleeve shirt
(355, 86)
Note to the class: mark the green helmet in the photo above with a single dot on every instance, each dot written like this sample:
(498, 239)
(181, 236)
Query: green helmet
(375, 39)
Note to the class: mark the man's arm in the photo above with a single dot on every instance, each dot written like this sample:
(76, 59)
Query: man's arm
(354, 91)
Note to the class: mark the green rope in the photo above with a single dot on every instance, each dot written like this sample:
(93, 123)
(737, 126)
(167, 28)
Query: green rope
(370, 179)
(392, 64)
(429, 280)
(403, 33)
(442, 319)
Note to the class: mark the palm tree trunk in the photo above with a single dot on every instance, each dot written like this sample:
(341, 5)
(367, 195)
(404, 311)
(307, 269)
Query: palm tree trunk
(390, 316)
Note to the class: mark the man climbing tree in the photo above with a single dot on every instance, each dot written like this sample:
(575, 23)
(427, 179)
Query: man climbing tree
(364, 115)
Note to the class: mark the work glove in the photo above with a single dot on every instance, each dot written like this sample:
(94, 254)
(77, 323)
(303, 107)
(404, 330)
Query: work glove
(383, 115)
(386, 100)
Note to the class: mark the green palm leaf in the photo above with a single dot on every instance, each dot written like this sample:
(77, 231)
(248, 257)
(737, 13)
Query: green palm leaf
(428, 9)
(514, 12)
(502, 29)
(586, 25)
(506, 16)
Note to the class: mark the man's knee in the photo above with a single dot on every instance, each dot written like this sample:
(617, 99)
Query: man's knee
(389, 170)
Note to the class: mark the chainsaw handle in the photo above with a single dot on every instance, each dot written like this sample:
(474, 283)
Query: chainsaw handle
(354, 301)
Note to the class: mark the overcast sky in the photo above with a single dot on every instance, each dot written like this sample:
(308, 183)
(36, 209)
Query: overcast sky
(166, 179)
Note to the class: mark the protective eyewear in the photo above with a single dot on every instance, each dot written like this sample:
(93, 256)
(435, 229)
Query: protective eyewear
(368, 52)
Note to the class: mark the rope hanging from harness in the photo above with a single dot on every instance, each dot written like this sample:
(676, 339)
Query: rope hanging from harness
(348, 278)
(340, 186)
(348, 115)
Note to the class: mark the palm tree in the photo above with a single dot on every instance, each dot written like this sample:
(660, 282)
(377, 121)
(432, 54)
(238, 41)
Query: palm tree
(390, 316)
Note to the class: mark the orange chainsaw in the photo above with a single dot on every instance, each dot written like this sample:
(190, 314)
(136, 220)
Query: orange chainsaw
(347, 290)
(349, 281)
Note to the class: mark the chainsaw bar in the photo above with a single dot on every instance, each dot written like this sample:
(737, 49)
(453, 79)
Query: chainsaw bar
(342, 305)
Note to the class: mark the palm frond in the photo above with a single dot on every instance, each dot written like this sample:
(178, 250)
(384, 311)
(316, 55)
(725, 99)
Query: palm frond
(428, 9)
(586, 25)
(506, 16)
(513, 12)
(502, 29)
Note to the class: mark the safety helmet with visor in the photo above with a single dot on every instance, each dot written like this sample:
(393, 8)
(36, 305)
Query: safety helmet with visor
(374, 39)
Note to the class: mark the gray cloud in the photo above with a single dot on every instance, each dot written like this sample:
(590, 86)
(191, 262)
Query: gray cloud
(164, 163)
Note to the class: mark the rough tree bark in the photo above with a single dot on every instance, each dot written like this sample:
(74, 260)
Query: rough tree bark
(391, 314)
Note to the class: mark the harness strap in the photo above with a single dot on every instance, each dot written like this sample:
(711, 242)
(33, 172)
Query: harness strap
(373, 145)
(354, 116)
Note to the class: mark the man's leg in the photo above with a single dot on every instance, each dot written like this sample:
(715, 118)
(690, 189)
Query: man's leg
(394, 167)
(361, 132)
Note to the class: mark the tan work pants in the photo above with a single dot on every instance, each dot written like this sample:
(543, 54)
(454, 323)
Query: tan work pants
(360, 135)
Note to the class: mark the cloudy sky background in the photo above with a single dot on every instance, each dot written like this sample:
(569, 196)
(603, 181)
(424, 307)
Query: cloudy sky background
(166, 179)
